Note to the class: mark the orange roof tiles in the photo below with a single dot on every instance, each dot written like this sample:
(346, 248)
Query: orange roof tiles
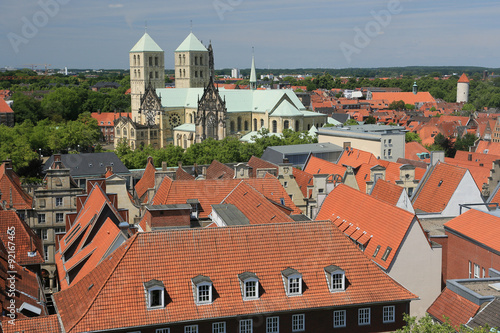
(258, 163)
(147, 181)
(34, 325)
(181, 174)
(218, 170)
(412, 149)
(26, 240)
(456, 308)
(317, 165)
(4, 107)
(303, 179)
(10, 187)
(174, 257)
(257, 208)
(463, 79)
(107, 119)
(386, 192)
(386, 224)
(488, 147)
(478, 158)
(355, 157)
(484, 229)
(435, 192)
(407, 97)
(480, 174)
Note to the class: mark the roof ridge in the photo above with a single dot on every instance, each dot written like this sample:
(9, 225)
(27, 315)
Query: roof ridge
(130, 242)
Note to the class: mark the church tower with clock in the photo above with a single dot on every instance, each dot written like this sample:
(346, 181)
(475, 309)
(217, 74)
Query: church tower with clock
(147, 69)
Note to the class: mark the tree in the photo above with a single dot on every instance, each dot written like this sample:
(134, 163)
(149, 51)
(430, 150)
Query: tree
(351, 122)
(370, 120)
(465, 142)
(427, 325)
(443, 143)
(397, 105)
(412, 136)
(26, 108)
(468, 107)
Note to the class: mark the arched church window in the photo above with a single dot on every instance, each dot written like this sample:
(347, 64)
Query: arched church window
(132, 133)
(297, 123)
(180, 59)
(139, 60)
(183, 59)
(180, 72)
(286, 124)
(201, 73)
(246, 125)
(239, 124)
(308, 127)
(185, 141)
(135, 60)
(196, 60)
(124, 132)
(195, 73)
(135, 72)
(184, 73)
(255, 124)
(151, 61)
(232, 127)
(190, 118)
(139, 73)
(261, 123)
(275, 126)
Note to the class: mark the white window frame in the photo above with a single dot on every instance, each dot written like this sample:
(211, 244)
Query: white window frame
(41, 218)
(364, 316)
(339, 318)
(219, 327)
(198, 293)
(298, 322)
(162, 330)
(46, 252)
(477, 271)
(162, 297)
(272, 324)
(191, 329)
(246, 288)
(337, 281)
(59, 201)
(57, 220)
(470, 269)
(245, 326)
(295, 279)
(389, 314)
(45, 234)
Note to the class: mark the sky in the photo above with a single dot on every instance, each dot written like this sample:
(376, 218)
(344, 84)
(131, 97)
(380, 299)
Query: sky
(98, 34)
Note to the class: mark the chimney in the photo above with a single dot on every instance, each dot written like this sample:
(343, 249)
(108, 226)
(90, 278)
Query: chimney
(164, 166)
(195, 169)
(8, 164)
(57, 157)
(109, 168)
(179, 164)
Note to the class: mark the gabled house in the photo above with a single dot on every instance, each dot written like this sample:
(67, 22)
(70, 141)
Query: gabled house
(392, 194)
(93, 233)
(251, 282)
(11, 193)
(145, 187)
(391, 237)
(442, 191)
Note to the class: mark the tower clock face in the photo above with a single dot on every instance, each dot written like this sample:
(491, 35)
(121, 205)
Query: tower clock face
(174, 120)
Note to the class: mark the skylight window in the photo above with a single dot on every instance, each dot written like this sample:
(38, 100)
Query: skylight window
(386, 253)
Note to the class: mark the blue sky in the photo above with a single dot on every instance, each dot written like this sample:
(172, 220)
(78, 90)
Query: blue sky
(286, 34)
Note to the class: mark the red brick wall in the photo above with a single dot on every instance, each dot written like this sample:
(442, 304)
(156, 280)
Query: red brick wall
(461, 251)
(169, 218)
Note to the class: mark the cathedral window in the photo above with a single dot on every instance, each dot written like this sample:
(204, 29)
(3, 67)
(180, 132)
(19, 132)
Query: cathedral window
(239, 124)
(139, 60)
(180, 72)
(191, 118)
(135, 60)
(297, 124)
(184, 73)
(246, 125)
(261, 123)
(135, 72)
(286, 124)
(139, 73)
(275, 126)
(180, 59)
(184, 60)
(185, 140)
(201, 61)
(232, 127)
(308, 127)
(156, 75)
(156, 61)
(196, 61)
(255, 124)
(201, 73)
(150, 75)
(150, 61)
(195, 73)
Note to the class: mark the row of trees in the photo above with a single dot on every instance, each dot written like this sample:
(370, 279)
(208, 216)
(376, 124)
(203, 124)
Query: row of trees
(445, 144)
(228, 150)
(25, 142)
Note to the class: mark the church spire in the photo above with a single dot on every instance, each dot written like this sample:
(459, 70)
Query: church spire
(253, 76)
(211, 67)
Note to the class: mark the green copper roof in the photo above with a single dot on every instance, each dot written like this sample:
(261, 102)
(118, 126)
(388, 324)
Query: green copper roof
(286, 109)
(146, 44)
(186, 128)
(191, 43)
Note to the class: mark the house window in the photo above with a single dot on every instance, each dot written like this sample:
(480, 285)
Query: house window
(59, 217)
(45, 234)
(250, 289)
(275, 126)
(59, 201)
(41, 218)
(191, 329)
(41, 203)
(162, 330)
(261, 123)
(272, 325)
(339, 318)
(219, 327)
(476, 271)
(389, 314)
(246, 326)
(298, 323)
(286, 124)
(250, 285)
(338, 282)
(470, 265)
(59, 230)
(45, 252)
(203, 287)
(484, 273)
(389, 152)
(155, 291)
(335, 278)
(364, 316)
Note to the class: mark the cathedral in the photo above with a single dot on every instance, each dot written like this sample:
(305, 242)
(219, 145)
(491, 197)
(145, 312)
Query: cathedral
(196, 109)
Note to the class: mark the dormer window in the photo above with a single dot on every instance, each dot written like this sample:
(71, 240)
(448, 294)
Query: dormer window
(293, 282)
(202, 289)
(155, 294)
(335, 277)
(249, 286)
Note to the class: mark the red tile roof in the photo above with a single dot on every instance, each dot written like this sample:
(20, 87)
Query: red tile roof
(480, 174)
(485, 229)
(117, 283)
(26, 240)
(355, 157)
(435, 192)
(218, 170)
(34, 325)
(303, 179)
(478, 158)
(210, 192)
(4, 107)
(412, 149)
(10, 187)
(407, 97)
(317, 165)
(378, 223)
(463, 79)
(107, 119)
(181, 174)
(258, 163)
(255, 206)
(386, 192)
(488, 147)
(146, 182)
(456, 308)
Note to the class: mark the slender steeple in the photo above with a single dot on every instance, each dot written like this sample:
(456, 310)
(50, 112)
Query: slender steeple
(253, 76)
(415, 88)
